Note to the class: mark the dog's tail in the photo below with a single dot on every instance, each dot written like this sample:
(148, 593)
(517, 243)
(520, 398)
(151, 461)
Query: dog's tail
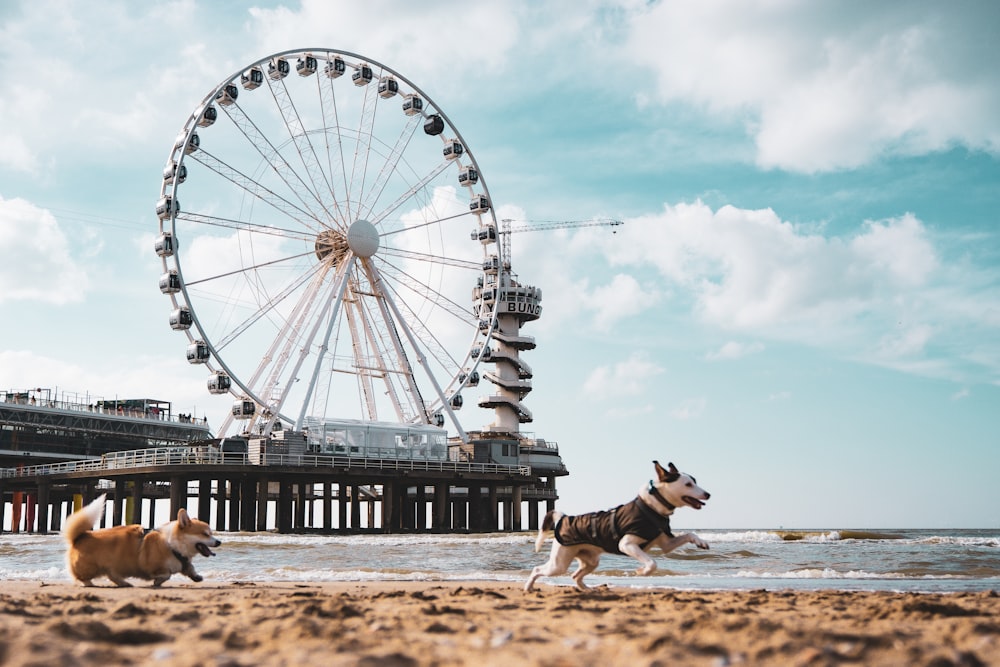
(83, 521)
(547, 528)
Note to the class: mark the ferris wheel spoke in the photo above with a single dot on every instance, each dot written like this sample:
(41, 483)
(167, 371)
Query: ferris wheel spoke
(244, 226)
(421, 358)
(427, 293)
(262, 310)
(277, 162)
(445, 359)
(247, 269)
(361, 364)
(333, 304)
(321, 185)
(432, 259)
(415, 321)
(389, 166)
(267, 361)
(362, 151)
(384, 359)
(257, 190)
(392, 319)
(277, 367)
(328, 104)
(431, 343)
(422, 225)
(419, 187)
(300, 337)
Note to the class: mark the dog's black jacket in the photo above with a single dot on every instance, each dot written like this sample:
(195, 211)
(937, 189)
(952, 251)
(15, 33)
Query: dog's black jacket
(605, 529)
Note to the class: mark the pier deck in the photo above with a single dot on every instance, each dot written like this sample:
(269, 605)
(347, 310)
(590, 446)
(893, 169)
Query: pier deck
(287, 493)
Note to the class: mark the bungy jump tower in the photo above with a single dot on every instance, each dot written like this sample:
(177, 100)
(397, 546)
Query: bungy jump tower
(514, 304)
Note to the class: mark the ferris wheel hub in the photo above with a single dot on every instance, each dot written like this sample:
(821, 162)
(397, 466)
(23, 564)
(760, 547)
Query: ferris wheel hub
(331, 246)
(362, 237)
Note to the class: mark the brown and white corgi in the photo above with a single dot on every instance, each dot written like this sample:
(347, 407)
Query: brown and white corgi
(125, 552)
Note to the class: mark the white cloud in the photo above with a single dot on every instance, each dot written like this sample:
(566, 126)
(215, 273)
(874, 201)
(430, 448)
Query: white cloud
(626, 378)
(905, 343)
(621, 298)
(898, 249)
(750, 271)
(630, 411)
(881, 295)
(735, 350)
(691, 408)
(412, 38)
(38, 260)
(821, 88)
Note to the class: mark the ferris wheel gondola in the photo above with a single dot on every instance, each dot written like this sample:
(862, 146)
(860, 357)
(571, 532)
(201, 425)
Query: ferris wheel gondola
(321, 264)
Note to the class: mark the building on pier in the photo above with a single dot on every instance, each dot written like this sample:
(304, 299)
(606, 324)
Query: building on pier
(38, 425)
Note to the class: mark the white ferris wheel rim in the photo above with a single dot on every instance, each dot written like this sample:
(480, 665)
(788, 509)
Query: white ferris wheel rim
(356, 245)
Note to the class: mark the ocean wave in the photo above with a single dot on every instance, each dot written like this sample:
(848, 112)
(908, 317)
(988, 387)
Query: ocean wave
(835, 535)
(41, 574)
(830, 573)
(380, 540)
(772, 536)
(960, 541)
(359, 575)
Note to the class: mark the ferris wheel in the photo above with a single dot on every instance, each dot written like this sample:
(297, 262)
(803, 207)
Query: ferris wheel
(322, 229)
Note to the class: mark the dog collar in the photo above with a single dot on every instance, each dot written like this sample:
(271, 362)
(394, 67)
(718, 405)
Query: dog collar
(185, 561)
(653, 491)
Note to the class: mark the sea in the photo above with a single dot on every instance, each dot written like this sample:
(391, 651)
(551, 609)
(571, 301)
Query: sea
(847, 560)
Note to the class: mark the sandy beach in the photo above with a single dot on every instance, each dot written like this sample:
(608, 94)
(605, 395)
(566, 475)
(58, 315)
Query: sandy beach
(476, 623)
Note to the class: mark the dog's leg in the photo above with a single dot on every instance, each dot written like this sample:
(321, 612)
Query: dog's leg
(558, 562)
(119, 581)
(668, 544)
(190, 572)
(589, 560)
(629, 545)
(159, 581)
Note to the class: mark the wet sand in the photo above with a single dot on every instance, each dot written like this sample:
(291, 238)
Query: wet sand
(477, 623)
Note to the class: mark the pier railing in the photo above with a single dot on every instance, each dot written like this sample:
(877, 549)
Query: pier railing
(207, 455)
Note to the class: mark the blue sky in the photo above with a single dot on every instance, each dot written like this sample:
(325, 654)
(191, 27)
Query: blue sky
(802, 308)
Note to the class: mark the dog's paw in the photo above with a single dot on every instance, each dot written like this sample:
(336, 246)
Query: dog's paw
(700, 543)
(196, 577)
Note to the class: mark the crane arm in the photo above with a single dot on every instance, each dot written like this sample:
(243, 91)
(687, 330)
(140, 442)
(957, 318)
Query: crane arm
(543, 225)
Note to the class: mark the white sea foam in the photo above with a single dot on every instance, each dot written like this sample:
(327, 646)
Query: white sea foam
(323, 575)
(379, 540)
(41, 574)
(770, 536)
(830, 573)
(961, 541)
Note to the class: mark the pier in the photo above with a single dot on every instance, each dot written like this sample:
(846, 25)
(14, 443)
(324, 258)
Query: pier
(56, 455)
(284, 493)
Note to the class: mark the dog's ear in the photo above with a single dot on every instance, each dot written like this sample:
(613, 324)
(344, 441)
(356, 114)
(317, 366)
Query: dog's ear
(183, 520)
(670, 475)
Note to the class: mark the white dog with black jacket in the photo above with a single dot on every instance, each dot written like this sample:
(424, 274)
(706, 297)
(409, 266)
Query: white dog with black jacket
(630, 529)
